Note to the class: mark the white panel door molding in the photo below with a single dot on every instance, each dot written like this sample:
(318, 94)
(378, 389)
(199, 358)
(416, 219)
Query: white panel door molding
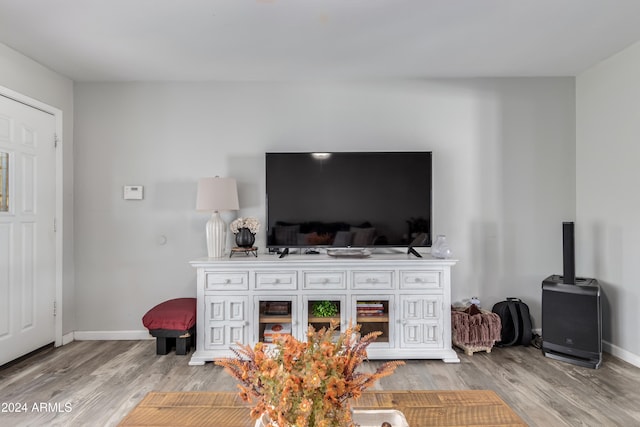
(28, 242)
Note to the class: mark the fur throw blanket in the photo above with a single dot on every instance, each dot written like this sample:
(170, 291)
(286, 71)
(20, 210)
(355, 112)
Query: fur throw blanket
(475, 327)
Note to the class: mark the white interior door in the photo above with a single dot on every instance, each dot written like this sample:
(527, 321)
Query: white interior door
(27, 236)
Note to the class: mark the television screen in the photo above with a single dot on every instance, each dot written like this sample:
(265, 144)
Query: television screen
(348, 199)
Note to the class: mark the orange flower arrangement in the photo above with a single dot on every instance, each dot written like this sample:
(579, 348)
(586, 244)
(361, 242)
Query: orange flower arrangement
(306, 384)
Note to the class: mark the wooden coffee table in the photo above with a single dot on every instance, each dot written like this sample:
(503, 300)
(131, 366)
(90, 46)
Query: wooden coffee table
(421, 408)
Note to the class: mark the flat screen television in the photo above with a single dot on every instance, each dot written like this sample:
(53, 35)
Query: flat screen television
(348, 199)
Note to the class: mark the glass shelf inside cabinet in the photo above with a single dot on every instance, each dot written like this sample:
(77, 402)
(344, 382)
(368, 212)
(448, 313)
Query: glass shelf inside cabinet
(372, 316)
(274, 318)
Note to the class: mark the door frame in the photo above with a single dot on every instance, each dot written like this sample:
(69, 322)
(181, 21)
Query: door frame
(59, 222)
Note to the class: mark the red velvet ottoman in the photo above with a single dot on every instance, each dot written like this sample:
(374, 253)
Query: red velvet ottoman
(172, 321)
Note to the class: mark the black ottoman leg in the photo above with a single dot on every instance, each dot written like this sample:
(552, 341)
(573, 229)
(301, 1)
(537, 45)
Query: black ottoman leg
(161, 346)
(181, 345)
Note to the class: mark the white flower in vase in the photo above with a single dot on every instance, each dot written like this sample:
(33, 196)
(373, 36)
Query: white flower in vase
(252, 224)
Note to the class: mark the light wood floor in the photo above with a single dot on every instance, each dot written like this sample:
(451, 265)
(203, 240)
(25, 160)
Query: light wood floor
(96, 383)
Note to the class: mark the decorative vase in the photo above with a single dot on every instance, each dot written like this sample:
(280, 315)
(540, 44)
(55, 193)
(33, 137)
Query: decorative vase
(440, 248)
(263, 421)
(343, 413)
(245, 238)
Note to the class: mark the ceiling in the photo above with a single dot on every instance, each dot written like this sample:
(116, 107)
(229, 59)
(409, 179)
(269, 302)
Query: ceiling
(201, 40)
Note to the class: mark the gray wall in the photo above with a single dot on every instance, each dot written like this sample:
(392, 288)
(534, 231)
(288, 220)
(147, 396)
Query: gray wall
(608, 205)
(504, 174)
(23, 75)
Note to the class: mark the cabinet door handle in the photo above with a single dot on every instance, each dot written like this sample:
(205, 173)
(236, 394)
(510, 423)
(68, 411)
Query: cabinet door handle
(277, 281)
(227, 281)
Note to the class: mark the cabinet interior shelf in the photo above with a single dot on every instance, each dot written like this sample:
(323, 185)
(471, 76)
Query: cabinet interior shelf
(275, 319)
(324, 319)
(372, 319)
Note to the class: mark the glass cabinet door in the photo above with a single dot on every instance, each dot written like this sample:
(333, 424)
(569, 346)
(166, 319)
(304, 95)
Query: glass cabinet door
(374, 313)
(276, 315)
(320, 310)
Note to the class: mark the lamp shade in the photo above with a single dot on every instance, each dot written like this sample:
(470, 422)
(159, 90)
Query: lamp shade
(217, 194)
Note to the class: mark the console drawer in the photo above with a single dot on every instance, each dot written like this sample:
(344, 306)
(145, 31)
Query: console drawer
(324, 280)
(372, 280)
(276, 280)
(227, 281)
(420, 280)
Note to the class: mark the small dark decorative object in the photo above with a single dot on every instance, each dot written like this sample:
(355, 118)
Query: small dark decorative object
(245, 238)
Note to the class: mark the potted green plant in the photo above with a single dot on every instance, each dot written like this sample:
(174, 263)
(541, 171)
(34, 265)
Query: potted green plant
(325, 309)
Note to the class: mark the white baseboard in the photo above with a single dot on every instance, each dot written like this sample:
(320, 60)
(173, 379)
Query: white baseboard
(620, 353)
(112, 335)
(67, 338)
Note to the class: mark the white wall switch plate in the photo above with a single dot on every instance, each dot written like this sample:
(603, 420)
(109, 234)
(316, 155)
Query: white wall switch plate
(133, 192)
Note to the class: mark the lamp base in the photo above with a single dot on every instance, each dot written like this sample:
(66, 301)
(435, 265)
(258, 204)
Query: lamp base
(216, 230)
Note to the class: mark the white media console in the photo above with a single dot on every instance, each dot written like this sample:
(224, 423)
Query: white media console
(408, 299)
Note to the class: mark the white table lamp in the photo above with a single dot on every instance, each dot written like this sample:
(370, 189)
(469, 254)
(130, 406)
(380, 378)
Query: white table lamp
(215, 195)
